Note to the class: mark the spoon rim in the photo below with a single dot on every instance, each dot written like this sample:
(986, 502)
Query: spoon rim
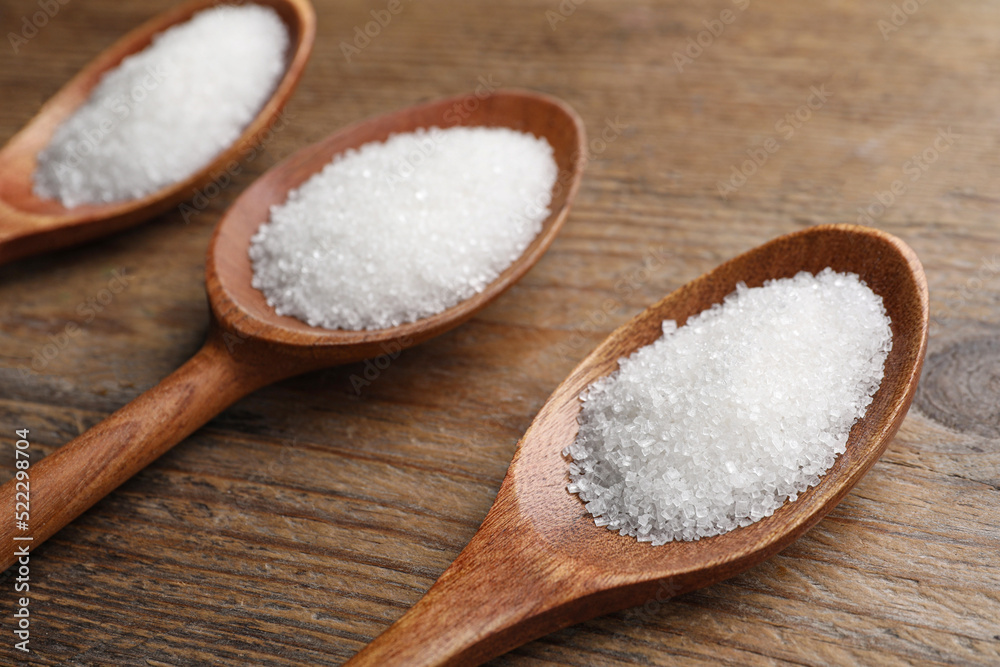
(19, 156)
(243, 219)
(535, 493)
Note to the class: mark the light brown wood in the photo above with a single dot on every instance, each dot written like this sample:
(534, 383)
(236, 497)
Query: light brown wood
(30, 225)
(540, 563)
(250, 345)
(72, 479)
(303, 521)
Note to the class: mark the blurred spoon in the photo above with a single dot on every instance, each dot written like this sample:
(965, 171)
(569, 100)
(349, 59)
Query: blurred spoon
(539, 562)
(30, 225)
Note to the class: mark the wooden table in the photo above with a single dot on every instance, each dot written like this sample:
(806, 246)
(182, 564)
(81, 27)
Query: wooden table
(301, 522)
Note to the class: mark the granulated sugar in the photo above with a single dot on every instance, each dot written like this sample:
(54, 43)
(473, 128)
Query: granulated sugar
(393, 232)
(167, 111)
(717, 423)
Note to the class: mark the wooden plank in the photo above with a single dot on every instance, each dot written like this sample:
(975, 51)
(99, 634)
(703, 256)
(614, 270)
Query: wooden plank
(302, 521)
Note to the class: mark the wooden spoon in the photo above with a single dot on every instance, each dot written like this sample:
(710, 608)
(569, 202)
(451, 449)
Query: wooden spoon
(539, 563)
(248, 345)
(30, 225)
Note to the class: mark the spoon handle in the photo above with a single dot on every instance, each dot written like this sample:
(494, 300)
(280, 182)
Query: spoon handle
(504, 590)
(67, 482)
(23, 234)
(14, 227)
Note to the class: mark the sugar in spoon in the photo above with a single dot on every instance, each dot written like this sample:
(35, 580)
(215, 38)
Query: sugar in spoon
(539, 562)
(248, 345)
(30, 225)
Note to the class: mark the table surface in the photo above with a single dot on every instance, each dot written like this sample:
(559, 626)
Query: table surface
(302, 521)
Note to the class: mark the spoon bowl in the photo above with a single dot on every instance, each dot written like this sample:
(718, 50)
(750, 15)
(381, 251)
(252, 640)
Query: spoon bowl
(539, 562)
(243, 311)
(249, 345)
(31, 225)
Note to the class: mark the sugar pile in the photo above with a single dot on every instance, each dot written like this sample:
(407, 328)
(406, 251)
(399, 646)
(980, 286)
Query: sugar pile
(717, 423)
(165, 112)
(393, 232)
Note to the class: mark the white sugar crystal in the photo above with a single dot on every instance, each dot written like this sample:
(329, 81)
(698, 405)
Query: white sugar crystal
(396, 231)
(165, 112)
(717, 423)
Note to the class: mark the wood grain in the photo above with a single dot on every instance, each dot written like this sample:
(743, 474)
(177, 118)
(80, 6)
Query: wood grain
(301, 522)
(539, 562)
(249, 345)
